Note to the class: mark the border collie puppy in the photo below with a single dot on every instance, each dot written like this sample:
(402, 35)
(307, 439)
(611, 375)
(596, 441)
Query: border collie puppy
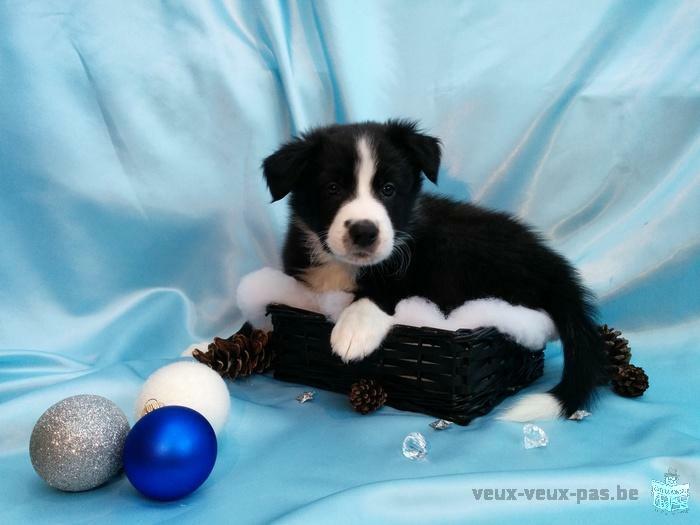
(360, 223)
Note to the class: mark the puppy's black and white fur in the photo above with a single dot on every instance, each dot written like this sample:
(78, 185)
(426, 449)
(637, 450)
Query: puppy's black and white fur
(360, 223)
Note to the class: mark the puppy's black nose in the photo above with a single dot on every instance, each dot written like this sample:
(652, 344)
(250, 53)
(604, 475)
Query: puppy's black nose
(363, 233)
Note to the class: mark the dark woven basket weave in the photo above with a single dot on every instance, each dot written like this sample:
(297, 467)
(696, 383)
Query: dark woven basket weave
(451, 375)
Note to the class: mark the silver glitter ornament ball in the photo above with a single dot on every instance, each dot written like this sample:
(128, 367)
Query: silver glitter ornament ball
(77, 443)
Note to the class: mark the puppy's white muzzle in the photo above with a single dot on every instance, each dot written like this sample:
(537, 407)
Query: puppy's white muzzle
(361, 233)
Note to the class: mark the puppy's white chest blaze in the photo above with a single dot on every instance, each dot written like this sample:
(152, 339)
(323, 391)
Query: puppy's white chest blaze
(330, 276)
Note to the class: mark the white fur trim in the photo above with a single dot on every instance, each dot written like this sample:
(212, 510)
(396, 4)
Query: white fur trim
(269, 286)
(419, 312)
(530, 328)
(533, 407)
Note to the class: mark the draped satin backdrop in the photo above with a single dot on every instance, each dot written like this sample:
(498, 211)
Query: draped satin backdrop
(131, 203)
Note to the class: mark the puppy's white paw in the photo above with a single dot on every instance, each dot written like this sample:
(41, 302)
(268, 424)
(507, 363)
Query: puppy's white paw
(360, 329)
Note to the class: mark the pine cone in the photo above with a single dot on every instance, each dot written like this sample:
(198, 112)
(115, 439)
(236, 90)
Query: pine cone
(258, 348)
(630, 381)
(367, 395)
(240, 355)
(617, 351)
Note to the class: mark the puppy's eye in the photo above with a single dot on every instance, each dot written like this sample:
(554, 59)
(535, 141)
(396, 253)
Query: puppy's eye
(388, 189)
(333, 188)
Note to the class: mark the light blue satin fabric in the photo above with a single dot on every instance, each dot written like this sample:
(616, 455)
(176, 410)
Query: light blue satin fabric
(131, 203)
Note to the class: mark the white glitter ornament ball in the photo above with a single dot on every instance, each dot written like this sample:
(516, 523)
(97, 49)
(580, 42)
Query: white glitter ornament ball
(77, 443)
(189, 384)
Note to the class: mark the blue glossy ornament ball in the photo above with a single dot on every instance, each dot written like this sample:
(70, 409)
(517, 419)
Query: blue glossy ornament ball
(169, 453)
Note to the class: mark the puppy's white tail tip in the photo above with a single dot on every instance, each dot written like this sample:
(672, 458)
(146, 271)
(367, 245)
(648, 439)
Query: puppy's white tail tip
(533, 407)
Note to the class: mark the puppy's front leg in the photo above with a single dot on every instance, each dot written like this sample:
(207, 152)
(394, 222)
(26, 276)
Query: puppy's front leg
(360, 330)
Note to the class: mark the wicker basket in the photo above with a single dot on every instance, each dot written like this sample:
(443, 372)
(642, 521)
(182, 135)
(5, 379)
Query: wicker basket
(451, 375)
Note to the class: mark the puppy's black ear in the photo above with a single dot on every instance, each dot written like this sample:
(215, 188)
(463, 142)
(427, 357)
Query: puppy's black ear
(283, 169)
(423, 150)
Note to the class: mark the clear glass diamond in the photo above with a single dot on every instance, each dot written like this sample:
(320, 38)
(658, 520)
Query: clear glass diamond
(579, 415)
(305, 396)
(534, 436)
(415, 446)
(440, 424)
